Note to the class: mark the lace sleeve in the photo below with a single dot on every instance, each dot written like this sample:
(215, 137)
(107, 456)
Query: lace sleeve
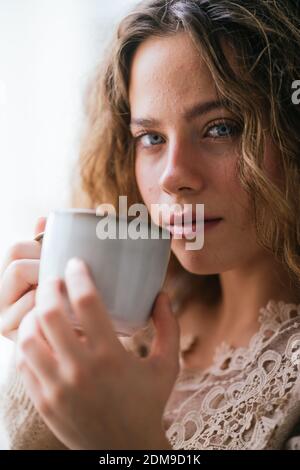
(249, 398)
(21, 427)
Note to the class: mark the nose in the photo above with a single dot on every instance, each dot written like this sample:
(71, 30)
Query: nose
(181, 172)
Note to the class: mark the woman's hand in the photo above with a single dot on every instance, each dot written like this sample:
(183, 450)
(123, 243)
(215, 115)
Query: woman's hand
(18, 282)
(95, 394)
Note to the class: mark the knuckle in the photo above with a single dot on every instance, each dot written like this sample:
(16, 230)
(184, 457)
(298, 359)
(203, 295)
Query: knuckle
(75, 375)
(16, 270)
(16, 251)
(85, 300)
(4, 327)
(26, 342)
(50, 314)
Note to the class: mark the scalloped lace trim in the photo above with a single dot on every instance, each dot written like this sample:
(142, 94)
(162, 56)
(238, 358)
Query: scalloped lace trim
(270, 318)
(239, 407)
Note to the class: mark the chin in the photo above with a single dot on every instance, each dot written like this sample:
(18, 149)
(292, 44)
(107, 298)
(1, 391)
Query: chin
(195, 268)
(201, 262)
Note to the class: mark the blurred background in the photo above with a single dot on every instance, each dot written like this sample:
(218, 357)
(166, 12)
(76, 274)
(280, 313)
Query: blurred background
(48, 51)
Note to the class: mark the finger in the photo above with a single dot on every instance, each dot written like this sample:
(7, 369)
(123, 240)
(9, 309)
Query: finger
(40, 225)
(13, 315)
(36, 393)
(54, 320)
(19, 277)
(21, 251)
(33, 387)
(165, 346)
(88, 306)
(12, 335)
(33, 349)
(31, 383)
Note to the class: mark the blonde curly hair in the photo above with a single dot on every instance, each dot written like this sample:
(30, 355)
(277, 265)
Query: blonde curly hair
(265, 35)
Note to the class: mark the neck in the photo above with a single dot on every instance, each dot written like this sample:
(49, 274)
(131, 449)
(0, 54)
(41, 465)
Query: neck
(246, 289)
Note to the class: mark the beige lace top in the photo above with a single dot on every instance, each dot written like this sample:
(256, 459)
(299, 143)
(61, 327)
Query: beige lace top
(249, 398)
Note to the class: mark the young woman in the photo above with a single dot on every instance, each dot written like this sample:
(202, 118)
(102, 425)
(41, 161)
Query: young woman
(193, 105)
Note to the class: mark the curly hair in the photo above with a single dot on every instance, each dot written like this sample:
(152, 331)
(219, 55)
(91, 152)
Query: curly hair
(265, 38)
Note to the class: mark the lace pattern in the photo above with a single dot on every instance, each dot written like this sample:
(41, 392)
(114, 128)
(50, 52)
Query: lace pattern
(243, 405)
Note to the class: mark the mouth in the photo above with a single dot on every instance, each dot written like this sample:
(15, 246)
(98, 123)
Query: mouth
(190, 225)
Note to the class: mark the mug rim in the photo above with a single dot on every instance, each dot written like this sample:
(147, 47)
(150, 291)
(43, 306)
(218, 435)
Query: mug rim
(78, 211)
(85, 211)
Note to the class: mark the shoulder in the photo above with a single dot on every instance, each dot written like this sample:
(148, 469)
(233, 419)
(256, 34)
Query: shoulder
(280, 331)
(276, 367)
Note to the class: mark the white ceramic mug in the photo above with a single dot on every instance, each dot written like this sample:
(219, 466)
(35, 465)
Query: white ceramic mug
(128, 273)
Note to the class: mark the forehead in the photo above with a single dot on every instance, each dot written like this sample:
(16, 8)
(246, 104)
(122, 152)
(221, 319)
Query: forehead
(168, 71)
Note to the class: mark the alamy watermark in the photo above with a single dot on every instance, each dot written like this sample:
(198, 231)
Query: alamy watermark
(296, 93)
(176, 220)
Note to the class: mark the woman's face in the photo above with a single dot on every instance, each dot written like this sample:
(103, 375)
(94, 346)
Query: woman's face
(187, 154)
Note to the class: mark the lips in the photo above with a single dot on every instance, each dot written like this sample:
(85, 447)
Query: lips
(189, 222)
(189, 218)
(192, 228)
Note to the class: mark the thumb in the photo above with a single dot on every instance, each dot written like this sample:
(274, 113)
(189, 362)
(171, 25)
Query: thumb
(40, 225)
(165, 345)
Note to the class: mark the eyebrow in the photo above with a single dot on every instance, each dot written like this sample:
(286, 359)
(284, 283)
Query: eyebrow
(195, 111)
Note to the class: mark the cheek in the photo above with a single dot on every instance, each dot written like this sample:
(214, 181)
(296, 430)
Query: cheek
(225, 181)
(233, 198)
(146, 181)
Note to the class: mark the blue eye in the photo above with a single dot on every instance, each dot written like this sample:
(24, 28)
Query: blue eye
(223, 129)
(148, 140)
